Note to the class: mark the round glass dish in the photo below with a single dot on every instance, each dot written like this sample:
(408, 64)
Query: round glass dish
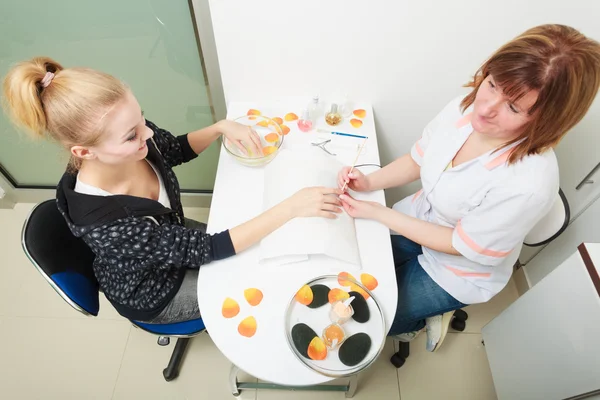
(271, 137)
(319, 318)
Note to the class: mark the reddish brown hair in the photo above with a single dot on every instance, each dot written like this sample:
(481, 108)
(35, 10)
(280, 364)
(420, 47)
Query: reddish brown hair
(560, 63)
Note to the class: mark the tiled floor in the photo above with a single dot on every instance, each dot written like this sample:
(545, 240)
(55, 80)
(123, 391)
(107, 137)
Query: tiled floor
(49, 351)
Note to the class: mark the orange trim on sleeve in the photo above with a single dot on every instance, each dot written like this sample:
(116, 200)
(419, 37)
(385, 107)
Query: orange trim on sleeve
(420, 151)
(417, 195)
(475, 247)
(466, 274)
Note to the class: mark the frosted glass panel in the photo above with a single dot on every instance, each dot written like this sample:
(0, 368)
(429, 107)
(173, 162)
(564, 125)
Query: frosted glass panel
(150, 44)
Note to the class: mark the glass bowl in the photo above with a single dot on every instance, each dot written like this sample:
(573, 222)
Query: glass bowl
(271, 138)
(318, 319)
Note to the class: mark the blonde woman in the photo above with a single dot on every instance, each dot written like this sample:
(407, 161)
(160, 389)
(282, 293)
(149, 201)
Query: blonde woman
(121, 196)
(489, 174)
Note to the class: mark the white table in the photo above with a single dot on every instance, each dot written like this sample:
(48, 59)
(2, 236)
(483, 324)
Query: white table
(237, 197)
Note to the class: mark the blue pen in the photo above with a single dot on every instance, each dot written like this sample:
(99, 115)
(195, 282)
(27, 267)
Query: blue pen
(344, 134)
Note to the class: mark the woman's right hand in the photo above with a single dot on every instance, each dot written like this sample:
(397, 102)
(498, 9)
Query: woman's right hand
(354, 180)
(315, 202)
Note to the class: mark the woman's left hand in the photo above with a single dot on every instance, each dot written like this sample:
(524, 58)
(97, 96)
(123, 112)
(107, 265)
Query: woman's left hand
(242, 136)
(361, 209)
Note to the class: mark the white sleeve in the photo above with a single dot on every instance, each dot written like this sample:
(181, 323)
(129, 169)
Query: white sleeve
(418, 149)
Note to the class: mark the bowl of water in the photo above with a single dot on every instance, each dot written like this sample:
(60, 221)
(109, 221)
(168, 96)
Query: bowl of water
(271, 138)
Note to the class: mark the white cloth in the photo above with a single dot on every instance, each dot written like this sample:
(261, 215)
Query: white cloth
(84, 188)
(490, 205)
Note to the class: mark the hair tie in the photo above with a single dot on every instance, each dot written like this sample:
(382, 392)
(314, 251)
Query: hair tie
(47, 79)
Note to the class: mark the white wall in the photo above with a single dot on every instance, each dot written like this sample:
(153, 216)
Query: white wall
(408, 58)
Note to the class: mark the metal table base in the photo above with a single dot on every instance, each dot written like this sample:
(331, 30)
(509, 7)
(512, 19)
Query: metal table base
(237, 387)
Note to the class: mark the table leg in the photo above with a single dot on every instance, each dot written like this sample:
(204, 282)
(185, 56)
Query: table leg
(352, 386)
(233, 382)
(235, 386)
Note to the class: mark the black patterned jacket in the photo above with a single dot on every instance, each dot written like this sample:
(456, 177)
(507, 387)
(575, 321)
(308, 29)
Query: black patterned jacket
(140, 261)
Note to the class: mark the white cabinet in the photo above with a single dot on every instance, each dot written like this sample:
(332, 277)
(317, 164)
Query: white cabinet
(586, 228)
(545, 345)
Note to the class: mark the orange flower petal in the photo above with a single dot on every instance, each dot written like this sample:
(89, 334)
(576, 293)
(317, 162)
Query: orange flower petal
(369, 281)
(264, 123)
(337, 294)
(272, 137)
(285, 129)
(253, 296)
(247, 327)
(317, 349)
(357, 123)
(304, 295)
(361, 291)
(269, 150)
(278, 120)
(343, 279)
(230, 308)
(253, 112)
(360, 113)
(290, 117)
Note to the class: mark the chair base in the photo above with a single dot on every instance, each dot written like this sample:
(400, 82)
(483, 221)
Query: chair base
(457, 323)
(172, 370)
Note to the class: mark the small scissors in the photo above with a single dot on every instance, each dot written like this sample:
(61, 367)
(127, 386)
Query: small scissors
(322, 146)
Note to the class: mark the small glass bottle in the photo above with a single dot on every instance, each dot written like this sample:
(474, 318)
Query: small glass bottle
(340, 313)
(314, 109)
(346, 108)
(333, 336)
(305, 123)
(333, 118)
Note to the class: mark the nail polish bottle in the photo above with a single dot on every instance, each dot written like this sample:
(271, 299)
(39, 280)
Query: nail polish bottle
(333, 118)
(305, 123)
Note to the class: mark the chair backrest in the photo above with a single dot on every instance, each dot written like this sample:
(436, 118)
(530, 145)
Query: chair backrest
(63, 259)
(552, 224)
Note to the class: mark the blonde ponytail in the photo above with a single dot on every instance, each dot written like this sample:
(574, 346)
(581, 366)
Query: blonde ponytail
(70, 108)
(22, 89)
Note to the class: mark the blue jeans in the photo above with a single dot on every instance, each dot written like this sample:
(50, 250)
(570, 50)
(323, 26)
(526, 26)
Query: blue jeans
(419, 297)
(184, 306)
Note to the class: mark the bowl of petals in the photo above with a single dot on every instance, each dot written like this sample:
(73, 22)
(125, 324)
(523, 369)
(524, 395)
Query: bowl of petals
(271, 138)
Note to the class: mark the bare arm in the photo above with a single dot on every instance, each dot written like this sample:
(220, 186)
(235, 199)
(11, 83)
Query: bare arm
(240, 135)
(400, 172)
(432, 236)
(426, 234)
(308, 202)
(249, 233)
(202, 138)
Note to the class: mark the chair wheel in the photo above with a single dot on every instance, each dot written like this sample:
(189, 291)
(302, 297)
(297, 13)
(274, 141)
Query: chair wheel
(163, 341)
(458, 324)
(397, 360)
(461, 314)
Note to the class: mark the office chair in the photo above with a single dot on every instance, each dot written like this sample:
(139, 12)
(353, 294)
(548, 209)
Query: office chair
(65, 261)
(551, 226)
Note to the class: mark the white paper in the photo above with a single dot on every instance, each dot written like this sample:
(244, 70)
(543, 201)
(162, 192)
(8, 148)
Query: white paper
(289, 172)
